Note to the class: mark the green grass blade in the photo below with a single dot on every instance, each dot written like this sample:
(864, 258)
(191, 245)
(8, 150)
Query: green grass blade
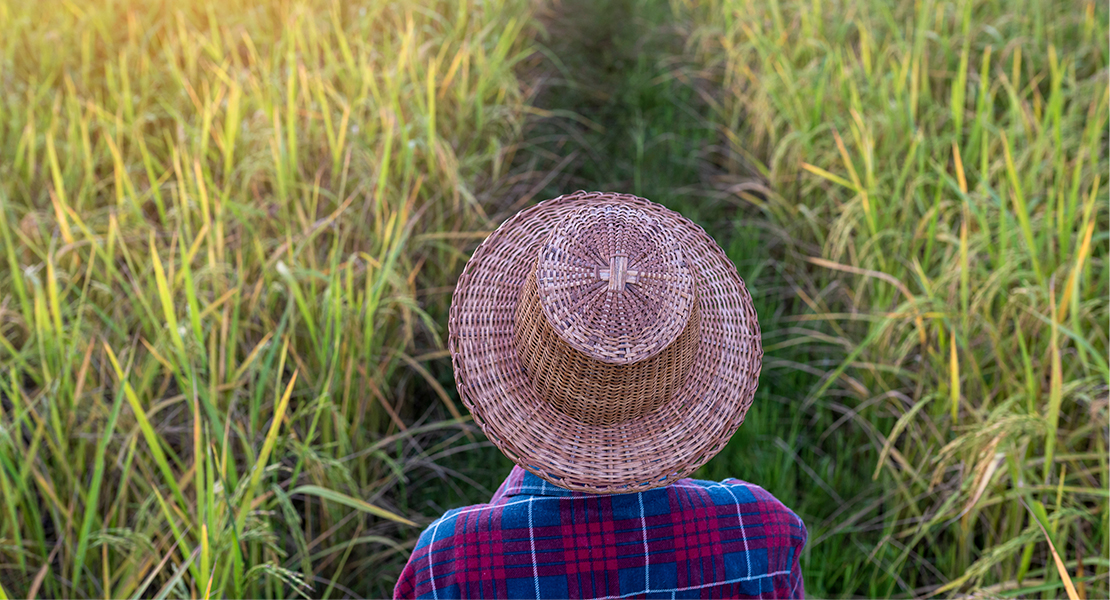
(93, 496)
(345, 500)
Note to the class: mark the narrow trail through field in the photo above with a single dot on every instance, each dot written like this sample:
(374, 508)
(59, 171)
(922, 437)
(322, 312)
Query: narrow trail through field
(612, 110)
(616, 109)
(609, 113)
(620, 109)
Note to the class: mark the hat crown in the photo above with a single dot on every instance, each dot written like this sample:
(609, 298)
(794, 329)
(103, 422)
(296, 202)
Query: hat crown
(614, 284)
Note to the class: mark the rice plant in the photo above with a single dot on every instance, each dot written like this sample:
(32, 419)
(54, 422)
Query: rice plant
(935, 172)
(219, 221)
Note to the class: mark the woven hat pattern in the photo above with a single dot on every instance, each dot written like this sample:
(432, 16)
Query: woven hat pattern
(604, 343)
(614, 284)
(573, 381)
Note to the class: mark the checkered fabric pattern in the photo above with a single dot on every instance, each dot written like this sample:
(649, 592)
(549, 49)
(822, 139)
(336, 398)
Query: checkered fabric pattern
(691, 539)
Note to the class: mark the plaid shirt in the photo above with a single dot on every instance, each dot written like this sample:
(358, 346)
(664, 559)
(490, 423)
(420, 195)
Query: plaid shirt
(691, 539)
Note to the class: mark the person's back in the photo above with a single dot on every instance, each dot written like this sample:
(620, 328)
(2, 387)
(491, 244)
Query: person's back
(609, 348)
(691, 539)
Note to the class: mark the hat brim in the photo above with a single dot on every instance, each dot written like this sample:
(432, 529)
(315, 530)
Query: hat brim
(649, 451)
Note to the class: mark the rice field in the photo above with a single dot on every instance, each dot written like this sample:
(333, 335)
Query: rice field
(224, 225)
(935, 172)
(230, 231)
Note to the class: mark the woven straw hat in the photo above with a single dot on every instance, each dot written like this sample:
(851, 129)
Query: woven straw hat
(604, 343)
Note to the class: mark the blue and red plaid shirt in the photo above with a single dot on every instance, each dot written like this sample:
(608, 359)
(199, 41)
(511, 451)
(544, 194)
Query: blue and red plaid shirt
(691, 539)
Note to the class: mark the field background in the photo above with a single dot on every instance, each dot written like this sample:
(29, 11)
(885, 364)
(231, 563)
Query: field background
(230, 230)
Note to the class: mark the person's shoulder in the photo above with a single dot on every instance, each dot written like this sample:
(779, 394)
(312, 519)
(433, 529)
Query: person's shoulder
(760, 538)
(434, 567)
(755, 505)
(452, 523)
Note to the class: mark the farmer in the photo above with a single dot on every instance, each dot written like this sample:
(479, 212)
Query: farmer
(608, 347)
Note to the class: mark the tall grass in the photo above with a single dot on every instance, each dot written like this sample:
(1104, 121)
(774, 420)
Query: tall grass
(936, 172)
(219, 221)
(229, 227)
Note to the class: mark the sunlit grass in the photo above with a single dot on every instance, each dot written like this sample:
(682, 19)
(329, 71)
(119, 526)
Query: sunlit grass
(937, 172)
(215, 218)
(229, 231)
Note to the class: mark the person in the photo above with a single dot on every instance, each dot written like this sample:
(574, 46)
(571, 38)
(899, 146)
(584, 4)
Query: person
(609, 348)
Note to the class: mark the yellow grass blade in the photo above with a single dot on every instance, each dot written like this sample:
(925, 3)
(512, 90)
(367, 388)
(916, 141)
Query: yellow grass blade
(60, 215)
(1040, 517)
(263, 459)
(334, 496)
(271, 436)
(954, 378)
(166, 298)
(829, 176)
(153, 440)
(961, 179)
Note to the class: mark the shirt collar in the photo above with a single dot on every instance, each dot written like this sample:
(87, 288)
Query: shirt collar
(523, 483)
